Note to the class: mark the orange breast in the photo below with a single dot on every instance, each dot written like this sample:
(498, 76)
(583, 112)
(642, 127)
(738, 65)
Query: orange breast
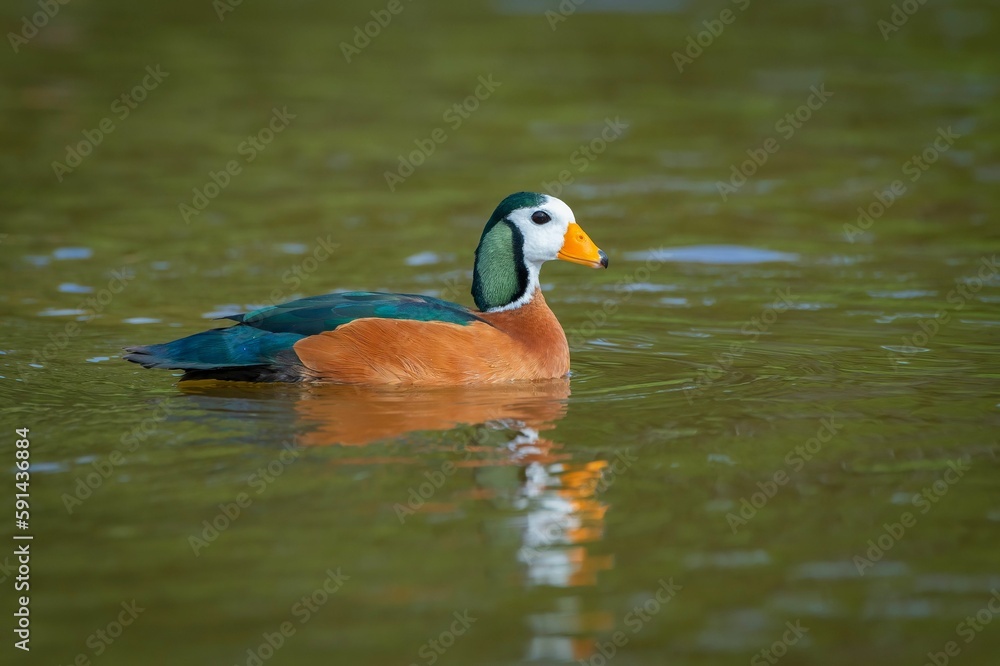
(526, 343)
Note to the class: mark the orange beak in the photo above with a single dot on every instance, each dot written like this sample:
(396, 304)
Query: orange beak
(578, 248)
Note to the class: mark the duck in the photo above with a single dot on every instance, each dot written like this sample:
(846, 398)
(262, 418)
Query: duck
(378, 339)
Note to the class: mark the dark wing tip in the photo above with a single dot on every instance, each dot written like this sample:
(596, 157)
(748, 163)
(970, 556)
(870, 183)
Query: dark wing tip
(142, 356)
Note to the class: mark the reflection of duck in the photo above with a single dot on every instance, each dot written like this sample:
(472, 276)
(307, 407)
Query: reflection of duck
(377, 339)
(358, 415)
(564, 516)
(560, 514)
(352, 415)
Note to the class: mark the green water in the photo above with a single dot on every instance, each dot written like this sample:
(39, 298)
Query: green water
(757, 391)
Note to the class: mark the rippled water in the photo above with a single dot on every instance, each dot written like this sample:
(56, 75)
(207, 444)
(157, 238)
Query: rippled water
(780, 433)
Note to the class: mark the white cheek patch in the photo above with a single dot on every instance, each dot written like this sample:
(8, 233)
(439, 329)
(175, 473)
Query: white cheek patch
(542, 242)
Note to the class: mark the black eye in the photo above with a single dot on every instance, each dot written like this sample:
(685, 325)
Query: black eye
(540, 217)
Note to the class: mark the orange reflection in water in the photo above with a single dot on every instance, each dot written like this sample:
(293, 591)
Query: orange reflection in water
(561, 513)
(355, 416)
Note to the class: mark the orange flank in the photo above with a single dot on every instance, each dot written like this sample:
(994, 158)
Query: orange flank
(526, 343)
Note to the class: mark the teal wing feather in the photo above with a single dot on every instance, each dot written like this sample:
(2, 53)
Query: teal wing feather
(233, 347)
(266, 337)
(316, 314)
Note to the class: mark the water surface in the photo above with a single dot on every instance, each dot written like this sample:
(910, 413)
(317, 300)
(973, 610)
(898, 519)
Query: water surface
(782, 412)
